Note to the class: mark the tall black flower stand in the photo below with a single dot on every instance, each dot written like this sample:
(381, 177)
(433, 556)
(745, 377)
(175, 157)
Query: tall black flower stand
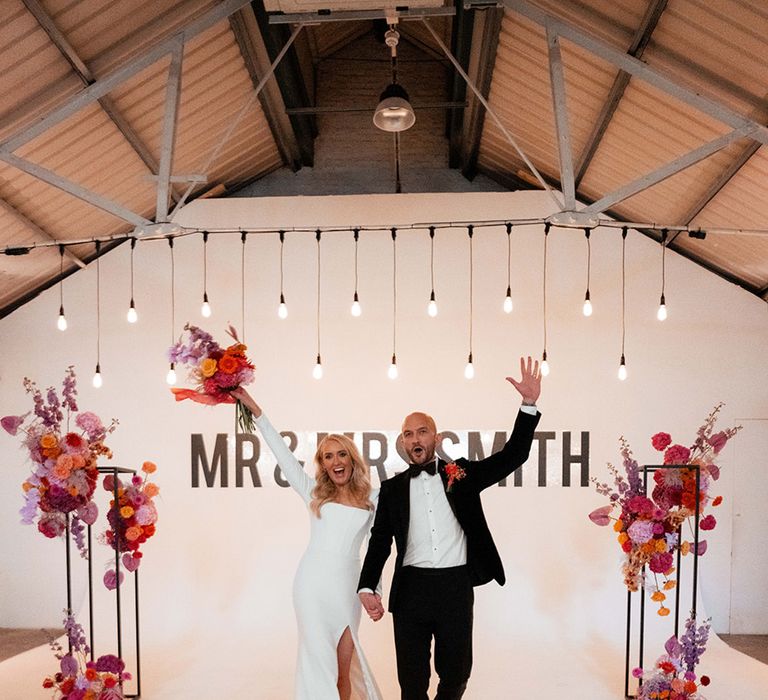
(114, 472)
(694, 583)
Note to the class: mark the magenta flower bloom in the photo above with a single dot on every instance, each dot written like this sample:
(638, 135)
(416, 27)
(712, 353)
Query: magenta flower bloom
(661, 562)
(661, 441)
(677, 454)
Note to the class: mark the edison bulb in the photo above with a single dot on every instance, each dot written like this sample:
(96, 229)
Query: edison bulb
(205, 309)
(356, 308)
(508, 304)
(61, 323)
(587, 308)
(432, 308)
(170, 378)
(544, 368)
(282, 310)
(661, 314)
(622, 371)
(392, 371)
(97, 381)
(317, 371)
(132, 316)
(469, 371)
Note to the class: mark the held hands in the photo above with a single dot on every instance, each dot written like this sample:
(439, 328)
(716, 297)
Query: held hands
(529, 385)
(372, 604)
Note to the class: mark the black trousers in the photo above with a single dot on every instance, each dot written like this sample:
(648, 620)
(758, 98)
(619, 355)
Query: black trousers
(434, 603)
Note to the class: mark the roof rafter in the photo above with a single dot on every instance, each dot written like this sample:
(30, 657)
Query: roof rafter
(637, 48)
(257, 63)
(170, 120)
(485, 41)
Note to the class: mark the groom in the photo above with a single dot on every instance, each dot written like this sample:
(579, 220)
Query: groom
(444, 547)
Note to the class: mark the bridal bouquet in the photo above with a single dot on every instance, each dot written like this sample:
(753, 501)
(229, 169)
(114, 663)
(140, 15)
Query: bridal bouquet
(64, 472)
(132, 520)
(79, 679)
(648, 527)
(673, 676)
(215, 370)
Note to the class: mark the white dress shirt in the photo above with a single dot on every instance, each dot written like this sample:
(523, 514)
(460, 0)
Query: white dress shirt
(435, 538)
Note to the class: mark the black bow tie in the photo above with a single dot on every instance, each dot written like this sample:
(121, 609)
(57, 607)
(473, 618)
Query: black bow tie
(416, 469)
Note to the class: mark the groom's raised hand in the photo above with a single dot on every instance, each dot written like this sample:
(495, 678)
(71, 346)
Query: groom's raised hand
(372, 604)
(529, 385)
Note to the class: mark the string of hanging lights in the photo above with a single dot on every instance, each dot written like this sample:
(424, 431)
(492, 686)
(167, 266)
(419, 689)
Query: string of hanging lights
(432, 229)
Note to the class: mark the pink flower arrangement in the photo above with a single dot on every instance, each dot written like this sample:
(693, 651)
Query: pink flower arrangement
(80, 679)
(648, 527)
(131, 521)
(64, 471)
(673, 676)
(215, 370)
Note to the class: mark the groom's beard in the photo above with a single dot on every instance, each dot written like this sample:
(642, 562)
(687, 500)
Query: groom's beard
(418, 454)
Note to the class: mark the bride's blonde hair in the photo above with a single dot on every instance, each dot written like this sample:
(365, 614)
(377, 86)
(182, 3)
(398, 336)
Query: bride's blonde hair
(359, 483)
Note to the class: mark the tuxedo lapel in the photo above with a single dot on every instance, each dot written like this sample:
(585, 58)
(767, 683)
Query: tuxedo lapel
(448, 494)
(403, 501)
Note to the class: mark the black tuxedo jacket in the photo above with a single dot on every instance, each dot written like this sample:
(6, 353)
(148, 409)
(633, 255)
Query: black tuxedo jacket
(393, 512)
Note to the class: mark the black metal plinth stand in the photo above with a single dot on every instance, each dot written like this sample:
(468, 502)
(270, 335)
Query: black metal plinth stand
(114, 471)
(641, 632)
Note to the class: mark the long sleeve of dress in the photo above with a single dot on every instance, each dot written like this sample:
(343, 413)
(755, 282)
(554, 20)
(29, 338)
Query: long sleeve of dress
(299, 480)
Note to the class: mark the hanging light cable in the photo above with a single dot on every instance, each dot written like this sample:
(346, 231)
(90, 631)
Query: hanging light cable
(544, 363)
(97, 381)
(132, 316)
(587, 308)
(170, 378)
(432, 306)
(243, 238)
(205, 309)
(317, 372)
(282, 309)
(61, 322)
(356, 310)
(622, 364)
(508, 299)
(392, 371)
(661, 314)
(469, 370)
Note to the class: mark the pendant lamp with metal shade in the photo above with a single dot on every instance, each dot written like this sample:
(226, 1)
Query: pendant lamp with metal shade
(394, 112)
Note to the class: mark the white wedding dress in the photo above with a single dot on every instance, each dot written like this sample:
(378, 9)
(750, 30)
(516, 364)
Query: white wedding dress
(325, 588)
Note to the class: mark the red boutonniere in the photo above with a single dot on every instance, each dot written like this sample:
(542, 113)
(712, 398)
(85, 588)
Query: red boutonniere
(455, 473)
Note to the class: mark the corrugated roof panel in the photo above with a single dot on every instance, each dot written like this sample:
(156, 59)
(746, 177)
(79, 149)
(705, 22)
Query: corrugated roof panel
(105, 33)
(327, 38)
(34, 75)
(719, 48)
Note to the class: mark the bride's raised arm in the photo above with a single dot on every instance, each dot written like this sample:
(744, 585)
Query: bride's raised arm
(299, 480)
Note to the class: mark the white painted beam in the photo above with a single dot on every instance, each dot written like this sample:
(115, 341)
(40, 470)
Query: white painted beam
(170, 121)
(557, 83)
(74, 189)
(665, 171)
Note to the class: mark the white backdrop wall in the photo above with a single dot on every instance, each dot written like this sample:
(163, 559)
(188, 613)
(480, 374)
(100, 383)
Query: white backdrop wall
(219, 570)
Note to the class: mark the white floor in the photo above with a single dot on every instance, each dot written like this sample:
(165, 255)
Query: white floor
(529, 663)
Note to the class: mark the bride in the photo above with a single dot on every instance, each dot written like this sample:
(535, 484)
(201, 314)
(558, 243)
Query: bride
(330, 663)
